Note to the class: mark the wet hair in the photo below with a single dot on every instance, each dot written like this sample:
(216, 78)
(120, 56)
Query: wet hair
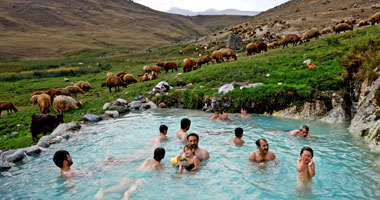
(163, 128)
(59, 157)
(307, 149)
(159, 154)
(304, 127)
(244, 108)
(238, 132)
(258, 141)
(214, 111)
(185, 123)
(193, 134)
(188, 146)
(224, 111)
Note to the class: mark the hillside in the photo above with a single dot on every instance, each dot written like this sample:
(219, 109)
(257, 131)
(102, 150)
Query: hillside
(42, 29)
(181, 11)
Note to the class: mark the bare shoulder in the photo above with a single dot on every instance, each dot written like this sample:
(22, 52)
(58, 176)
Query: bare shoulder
(271, 155)
(252, 156)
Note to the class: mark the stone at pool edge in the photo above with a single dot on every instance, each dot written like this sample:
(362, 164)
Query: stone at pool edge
(135, 104)
(13, 156)
(4, 166)
(91, 118)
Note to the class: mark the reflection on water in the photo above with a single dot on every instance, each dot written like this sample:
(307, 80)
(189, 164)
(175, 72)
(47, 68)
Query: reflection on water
(345, 166)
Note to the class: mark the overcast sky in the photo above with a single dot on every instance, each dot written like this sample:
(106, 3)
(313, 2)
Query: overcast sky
(201, 5)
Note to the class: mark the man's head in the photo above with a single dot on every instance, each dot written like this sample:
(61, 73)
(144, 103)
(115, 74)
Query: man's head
(159, 154)
(185, 124)
(243, 110)
(262, 145)
(62, 159)
(193, 140)
(306, 154)
(239, 132)
(163, 129)
(224, 114)
(304, 131)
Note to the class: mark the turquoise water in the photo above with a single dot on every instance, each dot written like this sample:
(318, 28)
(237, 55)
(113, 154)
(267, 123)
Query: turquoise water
(345, 166)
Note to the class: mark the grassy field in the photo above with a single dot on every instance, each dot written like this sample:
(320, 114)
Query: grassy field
(287, 80)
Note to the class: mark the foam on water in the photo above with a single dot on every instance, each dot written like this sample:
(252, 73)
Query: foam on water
(345, 166)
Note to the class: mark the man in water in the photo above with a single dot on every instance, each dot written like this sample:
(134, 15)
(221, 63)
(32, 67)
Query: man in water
(238, 135)
(193, 139)
(155, 162)
(182, 132)
(215, 115)
(243, 112)
(224, 116)
(63, 160)
(302, 132)
(305, 164)
(162, 135)
(262, 154)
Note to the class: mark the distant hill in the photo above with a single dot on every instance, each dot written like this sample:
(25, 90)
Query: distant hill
(41, 29)
(185, 12)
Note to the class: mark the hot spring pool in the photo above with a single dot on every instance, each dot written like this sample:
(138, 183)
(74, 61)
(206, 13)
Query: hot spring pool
(345, 166)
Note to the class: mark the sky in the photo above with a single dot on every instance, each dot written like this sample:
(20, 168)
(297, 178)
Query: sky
(201, 5)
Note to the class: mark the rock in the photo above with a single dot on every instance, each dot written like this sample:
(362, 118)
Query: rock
(57, 139)
(298, 10)
(150, 104)
(19, 125)
(63, 128)
(157, 94)
(44, 141)
(106, 106)
(227, 104)
(120, 109)
(115, 103)
(114, 114)
(105, 116)
(7, 153)
(253, 85)
(4, 166)
(16, 156)
(162, 105)
(235, 42)
(314, 110)
(226, 88)
(135, 104)
(14, 133)
(91, 118)
(66, 80)
(122, 101)
(33, 150)
(340, 111)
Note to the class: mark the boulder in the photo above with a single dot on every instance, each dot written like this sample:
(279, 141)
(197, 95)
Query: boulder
(33, 150)
(226, 88)
(114, 114)
(162, 105)
(122, 101)
(63, 128)
(105, 116)
(235, 42)
(150, 105)
(44, 141)
(17, 156)
(7, 153)
(309, 110)
(4, 166)
(106, 106)
(339, 113)
(135, 104)
(57, 139)
(120, 109)
(116, 103)
(66, 80)
(91, 118)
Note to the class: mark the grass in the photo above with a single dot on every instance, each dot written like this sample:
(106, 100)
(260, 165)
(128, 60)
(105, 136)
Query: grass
(287, 81)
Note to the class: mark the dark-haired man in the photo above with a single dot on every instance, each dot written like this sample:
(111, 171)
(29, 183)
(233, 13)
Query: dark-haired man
(193, 139)
(63, 160)
(163, 131)
(243, 112)
(238, 135)
(155, 162)
(262, 154)
(182, 132)
(302, 132)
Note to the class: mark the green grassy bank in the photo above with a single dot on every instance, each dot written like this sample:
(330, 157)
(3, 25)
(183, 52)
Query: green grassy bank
(287, 81)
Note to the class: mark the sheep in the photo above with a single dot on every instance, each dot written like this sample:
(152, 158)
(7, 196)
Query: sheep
(74, 89)
(114, 81)
(188, 64)
(152, 76)
(216, 55)
(170, 65)
(144, 77)
(110, 74)
(271, 45)
(44, 102)
(128, 79)
(64, 91)
(251, 48)
(312, 33)
(362, 23)
(37, 93)
(65, 103)
(156, 69)
(261, 46)
(7, 105)
(227, 53)
(53, 93)
(33, 99)
(160, 64)
(342, 27)
(291, 38)
(375, 18)
(85, 86)
(375, 6)
(43, 123)
(147, 69)
(204, 59)
(78, 84)
(326, 31)
(120, 74)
